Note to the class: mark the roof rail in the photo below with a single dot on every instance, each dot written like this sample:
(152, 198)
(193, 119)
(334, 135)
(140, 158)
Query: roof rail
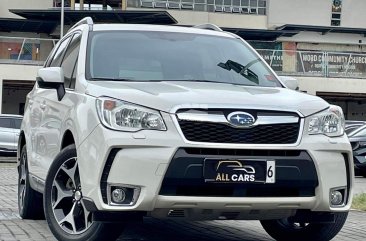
(86, 20)
(208, 26)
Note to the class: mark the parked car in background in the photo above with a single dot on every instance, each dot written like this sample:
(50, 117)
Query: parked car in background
(358, 141)
(9, 133)
(353, 125)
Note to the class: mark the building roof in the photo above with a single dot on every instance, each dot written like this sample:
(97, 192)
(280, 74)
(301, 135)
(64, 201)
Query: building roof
(321, 29)
(104, 16)
(261, 34)
(26, 25)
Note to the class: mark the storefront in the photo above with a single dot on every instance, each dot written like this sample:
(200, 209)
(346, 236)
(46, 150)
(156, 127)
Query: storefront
(14, 96)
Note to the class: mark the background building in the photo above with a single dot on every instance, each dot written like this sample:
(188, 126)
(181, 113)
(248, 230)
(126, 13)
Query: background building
(320, 42)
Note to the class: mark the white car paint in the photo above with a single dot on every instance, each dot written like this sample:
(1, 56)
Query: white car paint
(145, 155)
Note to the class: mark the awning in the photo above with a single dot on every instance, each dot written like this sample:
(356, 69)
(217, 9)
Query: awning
(25, 25)
(98, 16)
(340, 96)
(261, 34)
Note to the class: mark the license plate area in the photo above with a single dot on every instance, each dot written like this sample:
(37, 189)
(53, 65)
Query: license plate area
(239, 171)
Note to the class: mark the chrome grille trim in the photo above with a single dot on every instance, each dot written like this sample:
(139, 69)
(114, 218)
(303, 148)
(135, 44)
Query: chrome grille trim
(221, 119)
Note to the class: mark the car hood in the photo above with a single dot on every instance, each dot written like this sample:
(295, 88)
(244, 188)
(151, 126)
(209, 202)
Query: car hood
(356, 138)
(169, 96)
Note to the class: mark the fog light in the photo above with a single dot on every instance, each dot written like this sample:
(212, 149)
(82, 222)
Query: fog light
(118, 195)
(122, 195)
(336, 198)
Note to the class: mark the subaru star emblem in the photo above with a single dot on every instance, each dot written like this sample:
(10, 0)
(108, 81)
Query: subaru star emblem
(241, 119)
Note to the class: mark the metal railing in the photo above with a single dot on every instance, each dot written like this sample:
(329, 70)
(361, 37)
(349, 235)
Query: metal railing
(256, 7)
(18, 50)
(314, 63)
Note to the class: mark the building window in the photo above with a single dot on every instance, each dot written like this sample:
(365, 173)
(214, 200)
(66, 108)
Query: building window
(336, 13)
(58, 3)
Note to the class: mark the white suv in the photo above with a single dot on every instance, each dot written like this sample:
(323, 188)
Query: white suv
(127, 121)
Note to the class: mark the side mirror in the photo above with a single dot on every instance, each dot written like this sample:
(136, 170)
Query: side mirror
(52, 78)
(290, 82)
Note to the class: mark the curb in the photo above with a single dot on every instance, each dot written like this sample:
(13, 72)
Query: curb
(8, 160)
(357, 210)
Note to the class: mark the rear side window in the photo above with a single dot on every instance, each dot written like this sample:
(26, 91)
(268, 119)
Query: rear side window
(5, 123)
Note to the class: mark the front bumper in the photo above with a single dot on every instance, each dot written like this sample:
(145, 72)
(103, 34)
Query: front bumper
(142, 159)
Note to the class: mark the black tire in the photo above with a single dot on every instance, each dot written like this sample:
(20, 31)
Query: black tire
(283, 230)
(29, 201)
(65, 164)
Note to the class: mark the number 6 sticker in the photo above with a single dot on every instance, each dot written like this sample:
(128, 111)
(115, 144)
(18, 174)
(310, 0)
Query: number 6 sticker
(271, 172)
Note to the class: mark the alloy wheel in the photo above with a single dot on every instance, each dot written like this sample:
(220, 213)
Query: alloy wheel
(67, 199)
(22, 181)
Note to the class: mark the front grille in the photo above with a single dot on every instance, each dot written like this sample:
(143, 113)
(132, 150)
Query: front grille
(220, 133)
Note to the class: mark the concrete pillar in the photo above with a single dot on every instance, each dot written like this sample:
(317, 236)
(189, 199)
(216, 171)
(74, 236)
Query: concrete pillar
(289, 57)
(124, 4)
(1, 95)
(81, 4)
(72, 4)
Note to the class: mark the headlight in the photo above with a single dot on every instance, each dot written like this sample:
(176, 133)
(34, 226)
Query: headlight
(123, 116)
(329, 122)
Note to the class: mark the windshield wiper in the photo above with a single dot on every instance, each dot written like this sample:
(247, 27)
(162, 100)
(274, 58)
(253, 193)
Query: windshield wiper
(170, 80)
(241, 69)
(199, 80)
(210, 81)
(110, 79)
(122, 79)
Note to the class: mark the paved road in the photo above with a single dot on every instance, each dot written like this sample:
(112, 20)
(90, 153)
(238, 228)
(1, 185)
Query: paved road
(13, 228)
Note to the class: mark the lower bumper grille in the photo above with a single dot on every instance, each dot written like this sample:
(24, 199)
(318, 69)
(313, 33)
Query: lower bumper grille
(176, 213)
(295, 175)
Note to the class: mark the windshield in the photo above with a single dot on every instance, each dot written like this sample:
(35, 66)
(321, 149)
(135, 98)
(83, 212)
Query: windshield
(359, 132)
(170, 56)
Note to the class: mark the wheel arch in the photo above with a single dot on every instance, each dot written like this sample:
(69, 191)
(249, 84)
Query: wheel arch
(21, 143)
(67, 139)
